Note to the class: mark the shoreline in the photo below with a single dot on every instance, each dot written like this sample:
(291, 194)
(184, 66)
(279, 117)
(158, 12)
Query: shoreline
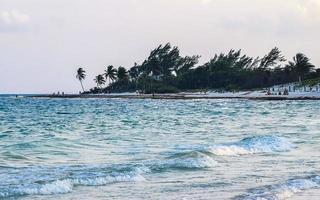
(176, 97)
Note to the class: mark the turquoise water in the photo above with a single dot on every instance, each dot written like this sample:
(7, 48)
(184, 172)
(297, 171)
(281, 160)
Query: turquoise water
(158, 149)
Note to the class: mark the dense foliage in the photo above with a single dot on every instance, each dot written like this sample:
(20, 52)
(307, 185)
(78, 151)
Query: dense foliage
(166, 71)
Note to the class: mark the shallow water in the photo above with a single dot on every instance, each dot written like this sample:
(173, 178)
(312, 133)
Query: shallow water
(158, 149)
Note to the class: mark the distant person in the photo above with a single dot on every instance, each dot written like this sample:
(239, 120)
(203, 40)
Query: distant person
(269, 92)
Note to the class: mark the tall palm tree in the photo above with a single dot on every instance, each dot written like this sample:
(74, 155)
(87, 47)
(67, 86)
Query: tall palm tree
(81, 75)
(301, 65)
(100, 80)
(122, 74)
(110, 73)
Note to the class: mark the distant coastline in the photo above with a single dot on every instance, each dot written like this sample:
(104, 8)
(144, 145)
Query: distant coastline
(183, 96)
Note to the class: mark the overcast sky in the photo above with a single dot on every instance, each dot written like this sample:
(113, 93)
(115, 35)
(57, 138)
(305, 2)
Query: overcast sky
(43, 42)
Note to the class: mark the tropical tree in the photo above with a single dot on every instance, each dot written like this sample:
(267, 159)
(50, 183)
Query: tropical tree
(185, 64)
(110, 73)
(122, 74)
(161, 61)
(134, 72)
(272, 59)
(81, 75)
(165, 70)
(301, 65)
(100, 80)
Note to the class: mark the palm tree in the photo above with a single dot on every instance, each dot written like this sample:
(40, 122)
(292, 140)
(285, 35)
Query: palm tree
(122, 73)
(100, 80)
(301, 65)
(81, 75)
(134, 72)
(110, 73)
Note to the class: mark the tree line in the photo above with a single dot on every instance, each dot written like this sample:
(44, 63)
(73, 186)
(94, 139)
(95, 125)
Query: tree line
(166, 71)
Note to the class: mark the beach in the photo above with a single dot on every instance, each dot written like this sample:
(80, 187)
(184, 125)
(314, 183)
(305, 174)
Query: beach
(251, 95)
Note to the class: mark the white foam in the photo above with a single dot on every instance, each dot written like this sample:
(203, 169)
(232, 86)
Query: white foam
(292, 187)
(56, 187)
(284, 190)
(253, 145)
(191, 160)
(191, 163)
(99, 181)
(232, 150)
(67, 185)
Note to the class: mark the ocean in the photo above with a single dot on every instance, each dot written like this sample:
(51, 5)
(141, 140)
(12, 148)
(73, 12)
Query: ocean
(158, 149)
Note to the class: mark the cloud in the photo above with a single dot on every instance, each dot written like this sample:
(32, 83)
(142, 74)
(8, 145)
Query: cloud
(309, 8)
(13, 20)
(205, 1)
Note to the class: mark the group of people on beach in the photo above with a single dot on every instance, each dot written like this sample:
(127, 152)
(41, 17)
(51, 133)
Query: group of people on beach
(58, 94)
(285, 92)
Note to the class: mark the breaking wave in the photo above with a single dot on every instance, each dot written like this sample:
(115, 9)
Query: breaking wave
(61, 180)
(250, 145)
(187, 160)
(281, 191)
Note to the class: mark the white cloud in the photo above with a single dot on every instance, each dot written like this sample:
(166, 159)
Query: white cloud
(13, 20)
(205, 1)
(309, 8)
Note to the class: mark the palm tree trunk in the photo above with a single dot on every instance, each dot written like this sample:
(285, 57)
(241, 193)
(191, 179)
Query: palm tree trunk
(82, 86)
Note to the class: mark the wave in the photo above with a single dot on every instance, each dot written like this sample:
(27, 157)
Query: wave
(187, 160)
(250, 145)
(61, 180)
(64, 179)
(56, 187)
(282, 191)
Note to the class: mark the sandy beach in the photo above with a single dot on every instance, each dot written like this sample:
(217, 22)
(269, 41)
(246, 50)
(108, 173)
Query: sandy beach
(256, 95)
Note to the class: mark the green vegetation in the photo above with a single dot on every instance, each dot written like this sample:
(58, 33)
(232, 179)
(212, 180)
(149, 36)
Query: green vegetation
(81, 75)
(99, 80)
(311, 82)
(166, 71)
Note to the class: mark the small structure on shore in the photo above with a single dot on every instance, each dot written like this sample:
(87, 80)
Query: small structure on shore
(286, 89)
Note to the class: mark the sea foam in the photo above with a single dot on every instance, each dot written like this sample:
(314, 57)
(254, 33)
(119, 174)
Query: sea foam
(44, 184)
(282, 191)
(188, 160)
(252, 145)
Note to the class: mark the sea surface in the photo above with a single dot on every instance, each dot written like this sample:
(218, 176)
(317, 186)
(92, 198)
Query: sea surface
(159, 149)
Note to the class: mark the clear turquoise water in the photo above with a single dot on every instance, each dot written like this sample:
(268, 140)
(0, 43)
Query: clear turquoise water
(158, 149)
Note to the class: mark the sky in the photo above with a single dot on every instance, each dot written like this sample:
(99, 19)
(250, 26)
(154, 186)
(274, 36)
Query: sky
(43, 42)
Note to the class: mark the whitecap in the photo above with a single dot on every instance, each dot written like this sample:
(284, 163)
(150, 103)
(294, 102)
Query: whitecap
(282, 191)
(187, 160)
(62, 180)
(252, 145)
(56, 187)
(99, 181)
